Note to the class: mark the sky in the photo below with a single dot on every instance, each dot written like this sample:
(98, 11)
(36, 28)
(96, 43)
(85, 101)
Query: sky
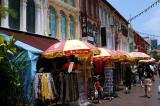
(148, 22)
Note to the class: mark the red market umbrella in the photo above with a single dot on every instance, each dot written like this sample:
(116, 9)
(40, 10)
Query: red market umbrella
(108, 54)
(70, 47)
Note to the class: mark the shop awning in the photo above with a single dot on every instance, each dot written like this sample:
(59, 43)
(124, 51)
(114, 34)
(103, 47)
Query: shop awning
(37, 41)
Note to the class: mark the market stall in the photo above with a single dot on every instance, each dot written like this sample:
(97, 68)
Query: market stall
(110, 69)
(82, 52)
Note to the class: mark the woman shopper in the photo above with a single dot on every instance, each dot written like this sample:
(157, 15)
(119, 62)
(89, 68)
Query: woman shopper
(147, 81)
(98, 89)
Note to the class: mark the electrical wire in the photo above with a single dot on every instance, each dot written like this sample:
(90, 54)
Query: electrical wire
(145, 10)
(148, 34)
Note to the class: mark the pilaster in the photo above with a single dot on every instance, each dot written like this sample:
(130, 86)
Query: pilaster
(67, 27)
(38, 17)
(58, 25)
(76, 3)
(76, 24)
(23, 15)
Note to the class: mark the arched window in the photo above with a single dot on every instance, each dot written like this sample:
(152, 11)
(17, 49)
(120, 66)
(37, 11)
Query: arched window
(63, 25)
(52, 21)
(71, 27)
(72, 3)
(30, 16)
(14, 22)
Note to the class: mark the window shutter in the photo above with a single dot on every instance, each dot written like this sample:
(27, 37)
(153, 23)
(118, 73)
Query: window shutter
(30, 16)
(52, 22)
(72, 3)
(63, 25)
(14, 22)
(71, 27)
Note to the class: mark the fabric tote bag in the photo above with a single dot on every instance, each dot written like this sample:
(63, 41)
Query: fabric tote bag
(159, 89)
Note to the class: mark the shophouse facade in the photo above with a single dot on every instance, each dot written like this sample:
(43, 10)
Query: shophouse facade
(30, 15)
(114, 28)
(140, 44)
(89, 19)
(131, 39)
(63, 19)
(54, 18)
(30, 23)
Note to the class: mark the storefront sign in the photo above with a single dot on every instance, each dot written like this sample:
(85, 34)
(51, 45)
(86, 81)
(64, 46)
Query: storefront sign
(108, 84)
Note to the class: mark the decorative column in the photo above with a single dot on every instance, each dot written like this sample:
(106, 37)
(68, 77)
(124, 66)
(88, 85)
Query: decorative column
(76, 24)
(76, 3)
(58, 25)
(46, 17)
(42, 12)
(4, 21)
(68, 1)
(23, 15)
(67, 27)
(38, 17)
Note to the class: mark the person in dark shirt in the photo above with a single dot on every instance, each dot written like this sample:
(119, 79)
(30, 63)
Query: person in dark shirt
(141, 74)
(158, 70)
(148, 73)
(128, 78)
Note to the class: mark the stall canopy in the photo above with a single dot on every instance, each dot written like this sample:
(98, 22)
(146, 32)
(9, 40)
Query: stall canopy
(139, 55)
(32, 58)
(34, 40)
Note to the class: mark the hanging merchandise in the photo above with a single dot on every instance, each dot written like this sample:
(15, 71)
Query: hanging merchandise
(44, 88)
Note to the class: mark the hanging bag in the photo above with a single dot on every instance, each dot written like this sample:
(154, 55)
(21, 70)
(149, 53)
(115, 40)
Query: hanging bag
(159, 89)
(96, 93)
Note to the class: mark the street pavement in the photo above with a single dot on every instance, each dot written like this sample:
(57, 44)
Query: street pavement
(135, 98)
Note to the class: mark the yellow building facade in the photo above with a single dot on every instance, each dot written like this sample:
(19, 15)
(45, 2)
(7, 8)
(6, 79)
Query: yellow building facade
(64, 19)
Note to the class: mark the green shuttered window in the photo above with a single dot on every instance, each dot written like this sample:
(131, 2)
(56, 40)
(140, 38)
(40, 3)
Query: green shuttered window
(52, 21)
(14, 22)
(30, 16)
(71, 27)
(63, 25)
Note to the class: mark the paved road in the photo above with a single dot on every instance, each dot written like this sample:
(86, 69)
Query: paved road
(135, 98)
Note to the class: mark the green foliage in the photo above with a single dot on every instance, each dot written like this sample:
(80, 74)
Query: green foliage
(7, 11)
(12, 65)
(156, 56)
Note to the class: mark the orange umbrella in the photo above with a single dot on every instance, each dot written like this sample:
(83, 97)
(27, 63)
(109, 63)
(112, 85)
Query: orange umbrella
(70, 47)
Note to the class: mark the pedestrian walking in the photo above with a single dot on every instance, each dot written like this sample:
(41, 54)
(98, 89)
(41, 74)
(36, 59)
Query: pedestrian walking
(148, 73)
(134, 70)
(141, 74)
(159, 70)
(128, 78)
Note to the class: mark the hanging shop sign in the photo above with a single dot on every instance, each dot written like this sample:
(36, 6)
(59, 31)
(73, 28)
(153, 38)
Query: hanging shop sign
(84, 25)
